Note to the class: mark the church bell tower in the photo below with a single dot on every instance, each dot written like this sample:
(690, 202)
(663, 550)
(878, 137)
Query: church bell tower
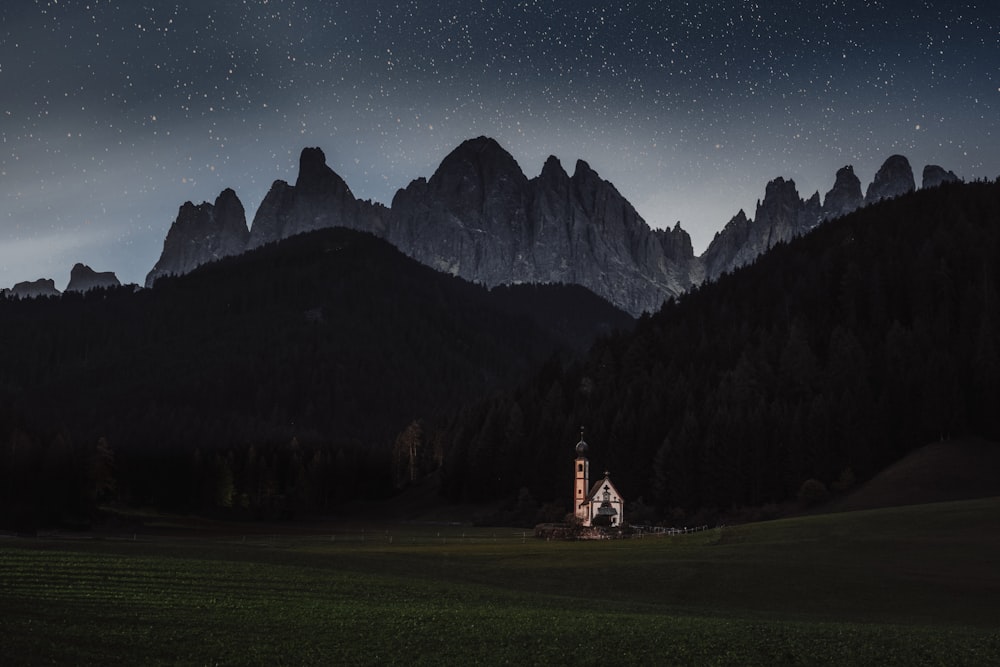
(581, 485)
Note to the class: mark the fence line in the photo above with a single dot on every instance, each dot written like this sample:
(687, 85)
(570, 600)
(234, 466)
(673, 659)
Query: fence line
(663, 530)
(370, 536)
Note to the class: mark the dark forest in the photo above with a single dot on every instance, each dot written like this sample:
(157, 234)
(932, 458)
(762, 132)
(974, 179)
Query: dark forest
(828, 359)
(268, 384)
(329, 368)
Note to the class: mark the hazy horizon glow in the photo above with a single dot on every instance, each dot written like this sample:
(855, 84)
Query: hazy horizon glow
(114, 114)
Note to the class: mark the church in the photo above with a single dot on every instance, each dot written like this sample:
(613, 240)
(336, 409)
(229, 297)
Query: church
(596, 505)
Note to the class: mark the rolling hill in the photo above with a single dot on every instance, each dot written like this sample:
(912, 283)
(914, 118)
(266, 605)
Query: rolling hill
(938, 472)
(272, 380)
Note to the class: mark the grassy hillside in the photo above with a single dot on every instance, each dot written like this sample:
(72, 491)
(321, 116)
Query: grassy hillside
(940, 471)
(907, 586)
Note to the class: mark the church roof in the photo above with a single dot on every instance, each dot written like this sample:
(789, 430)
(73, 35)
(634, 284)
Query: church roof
(598, 486)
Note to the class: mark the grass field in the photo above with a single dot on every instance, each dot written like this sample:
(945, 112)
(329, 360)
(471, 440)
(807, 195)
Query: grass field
(906, 586)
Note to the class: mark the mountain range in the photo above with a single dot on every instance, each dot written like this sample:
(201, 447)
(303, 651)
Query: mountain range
(480, 218)
(329, 366)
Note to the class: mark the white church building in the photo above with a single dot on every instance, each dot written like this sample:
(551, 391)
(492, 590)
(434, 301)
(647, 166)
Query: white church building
(600, 504)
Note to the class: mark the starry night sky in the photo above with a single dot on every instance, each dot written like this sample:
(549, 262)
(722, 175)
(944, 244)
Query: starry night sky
(112, 114)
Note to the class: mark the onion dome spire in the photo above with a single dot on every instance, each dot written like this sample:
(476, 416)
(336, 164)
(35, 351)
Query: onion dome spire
(581, 447)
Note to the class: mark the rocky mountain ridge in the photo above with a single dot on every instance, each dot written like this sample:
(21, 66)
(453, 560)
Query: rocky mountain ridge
(201, 234)
(30, 289)
(783, 214)
(480, 218)
(319, 199)
(82, 278)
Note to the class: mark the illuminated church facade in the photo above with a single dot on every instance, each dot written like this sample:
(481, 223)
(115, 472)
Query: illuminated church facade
(599, 504)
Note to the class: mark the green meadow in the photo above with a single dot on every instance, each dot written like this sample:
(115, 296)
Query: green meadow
(904, 586)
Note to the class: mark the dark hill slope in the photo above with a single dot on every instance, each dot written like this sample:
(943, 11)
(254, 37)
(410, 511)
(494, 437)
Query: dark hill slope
(837, 350)
(334, 339)
(938, 472)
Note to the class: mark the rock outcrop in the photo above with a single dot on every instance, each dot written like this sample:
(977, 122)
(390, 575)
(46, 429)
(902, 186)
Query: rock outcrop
(34, 288)
(934, 176)
(894, 178)
(320, 198)
(201, 234)
(725, 250)
(845, 195)
(82, 278)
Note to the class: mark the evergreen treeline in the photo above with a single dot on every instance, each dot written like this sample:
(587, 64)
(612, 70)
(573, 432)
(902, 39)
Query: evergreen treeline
(829, 358)
(275, 381)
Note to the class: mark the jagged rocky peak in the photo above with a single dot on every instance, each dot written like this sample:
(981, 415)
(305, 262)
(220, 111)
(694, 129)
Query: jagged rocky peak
(475, 183)
(553, 169)
(725, 252)
(676, 242)
(593, 191)
(552, 202)
(845, 195)
(229, 212)
(781, 216)
(202, 233)
(469, 218)
(30, 289)
(894, 178)
(479, 217)
(319, 199)
(934, 176)
(553, 176)
(780, 193)
(740, 219)
(781, 212)
(475, 167)
(315, 176)
(82, 278)
(583, 172)
(480, 150)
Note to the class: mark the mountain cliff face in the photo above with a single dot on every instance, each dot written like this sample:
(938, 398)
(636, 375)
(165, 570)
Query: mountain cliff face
(845, 195)
(319, 199)
(201, 234)
(724, 252)
(82, 278)
(894, 178)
